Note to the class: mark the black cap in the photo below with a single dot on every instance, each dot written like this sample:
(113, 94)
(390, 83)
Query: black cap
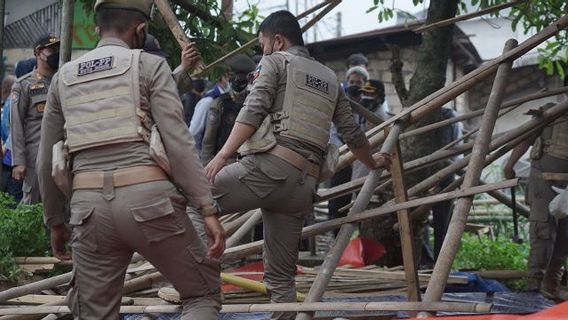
(241, 63)
(374, 87)
(45, 41)
(357, 59)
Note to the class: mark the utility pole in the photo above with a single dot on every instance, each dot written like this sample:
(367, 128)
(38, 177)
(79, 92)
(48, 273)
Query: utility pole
(338, 28)
(67, 13)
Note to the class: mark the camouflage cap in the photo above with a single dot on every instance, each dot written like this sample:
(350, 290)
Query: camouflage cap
(143, 6)
(241, 63)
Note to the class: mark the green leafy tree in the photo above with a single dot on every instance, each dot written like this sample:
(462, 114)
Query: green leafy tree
(205, 24)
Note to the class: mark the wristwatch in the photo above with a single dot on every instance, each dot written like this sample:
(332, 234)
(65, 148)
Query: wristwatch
(210, 210)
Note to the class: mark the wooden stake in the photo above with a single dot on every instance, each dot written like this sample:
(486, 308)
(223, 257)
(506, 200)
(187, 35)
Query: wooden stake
(405, 231)
(479, 153)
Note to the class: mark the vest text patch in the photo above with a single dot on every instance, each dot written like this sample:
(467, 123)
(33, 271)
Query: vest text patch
(317, 83)
(96, 65)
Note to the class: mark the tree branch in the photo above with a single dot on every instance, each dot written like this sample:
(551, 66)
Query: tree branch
(396, 73)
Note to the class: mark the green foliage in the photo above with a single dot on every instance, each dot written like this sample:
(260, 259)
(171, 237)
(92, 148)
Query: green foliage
(206, 25)
(482, 253)
(531, 15)
(22, 233)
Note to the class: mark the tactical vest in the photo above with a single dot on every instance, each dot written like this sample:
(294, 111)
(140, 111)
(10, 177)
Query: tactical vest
(228, 111)
(100, 98)
(309, 102)
(555, 138)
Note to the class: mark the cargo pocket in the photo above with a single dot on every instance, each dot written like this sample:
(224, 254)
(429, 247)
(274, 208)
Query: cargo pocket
(84, 235)
(158, 221)
(264, 176)
(207, 269)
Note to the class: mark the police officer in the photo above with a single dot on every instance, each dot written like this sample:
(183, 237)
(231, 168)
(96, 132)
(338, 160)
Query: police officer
(548, 234)
(104, 104)
(27, 107)
(282, 132)
(224, 109)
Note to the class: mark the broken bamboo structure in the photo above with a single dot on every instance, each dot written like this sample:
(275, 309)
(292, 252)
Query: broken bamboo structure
(346, 231)
(480, 150)
(444, 95)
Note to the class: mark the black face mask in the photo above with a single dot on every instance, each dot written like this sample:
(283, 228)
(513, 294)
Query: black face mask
(239, 83)
(354, 91)
(53, 61)
(368, 103)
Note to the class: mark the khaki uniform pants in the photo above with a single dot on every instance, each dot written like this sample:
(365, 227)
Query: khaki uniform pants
(149, 218)
(30, 187)
(285, 196)
(548, 235)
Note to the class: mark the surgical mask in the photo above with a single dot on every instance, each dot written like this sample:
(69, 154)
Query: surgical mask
(354, 91)
(53, 61)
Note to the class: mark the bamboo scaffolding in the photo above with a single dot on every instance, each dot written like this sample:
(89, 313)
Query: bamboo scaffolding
(275, 307)
(480, 150)
(444, 95)
(344, 235)
(468, 16)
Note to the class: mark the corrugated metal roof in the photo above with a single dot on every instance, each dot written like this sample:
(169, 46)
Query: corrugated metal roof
(24, 32)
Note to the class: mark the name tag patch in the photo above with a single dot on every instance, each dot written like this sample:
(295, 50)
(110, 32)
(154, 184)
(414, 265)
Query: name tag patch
(316, 83)
(96, 65)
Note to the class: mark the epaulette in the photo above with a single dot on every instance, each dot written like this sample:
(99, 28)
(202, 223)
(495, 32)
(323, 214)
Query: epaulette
(24, 77)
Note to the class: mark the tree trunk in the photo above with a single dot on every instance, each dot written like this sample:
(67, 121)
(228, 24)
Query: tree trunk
(430, 75)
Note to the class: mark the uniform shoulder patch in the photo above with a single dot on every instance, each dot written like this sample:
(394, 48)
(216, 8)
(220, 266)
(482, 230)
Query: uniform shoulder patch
(96, 65)
(316, 83)
(256, 73)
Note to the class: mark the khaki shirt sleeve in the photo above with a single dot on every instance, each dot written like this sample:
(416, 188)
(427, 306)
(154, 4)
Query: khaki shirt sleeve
(211, 129)
(167, 111)
(183, 80)
(51, 132)
(261, 97)
(347, 128)
(19, 101)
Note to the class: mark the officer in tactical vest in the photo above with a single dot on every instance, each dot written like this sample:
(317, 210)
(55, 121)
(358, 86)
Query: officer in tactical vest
(282, 132)
(548, 234)
(224, 109)
(29, 95)
(103, 105)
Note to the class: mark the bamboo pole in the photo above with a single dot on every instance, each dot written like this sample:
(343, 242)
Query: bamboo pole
(242, 251)
(449, 92)
(331, 5)
(468, 16)
(346, 230)
(244, 229)
(276, 307)
(405, 227)
(233, 226)
(479, 153)
(67, 11)
(179, 34)
(35, 287)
